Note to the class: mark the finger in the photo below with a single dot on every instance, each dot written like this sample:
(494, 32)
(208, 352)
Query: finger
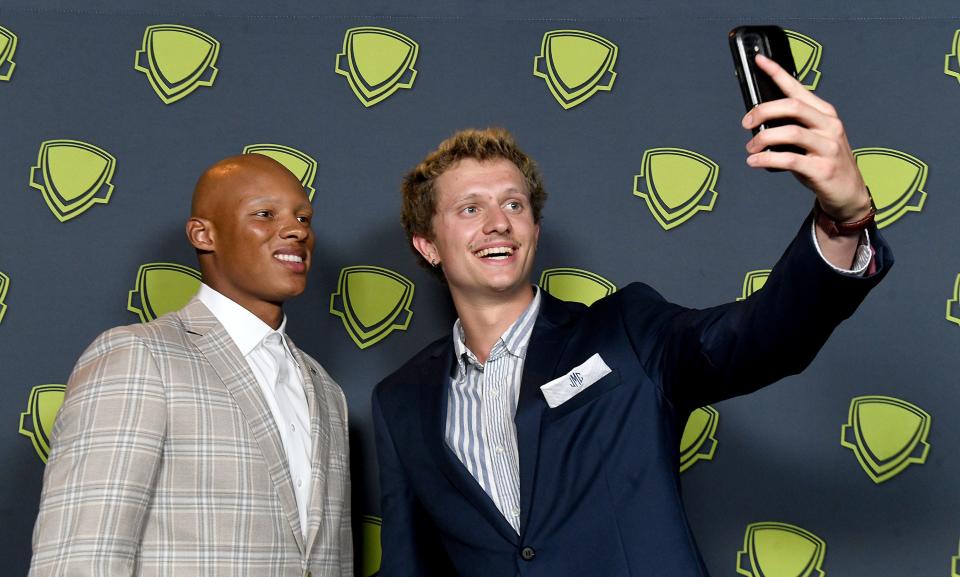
(793, 135)
(799, 164)
(794, 110)
(790, 86)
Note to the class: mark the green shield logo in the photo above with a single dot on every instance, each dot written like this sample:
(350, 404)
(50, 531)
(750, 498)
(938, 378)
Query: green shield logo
(162, 287)
(896, 182)
(177, 60)
(37, 422)
(772, 549)
(753, 281)
(886, 434)
(956, 566)
(72, 176)
(370, 546)
(806, 58)
(953, 304)
(951, 62)
(4, 285)
(377, 62)
(576, 285)
(699, 441)
(372, 302)
(301, 164)
(8, 47)
(575, 65)
(676, 184)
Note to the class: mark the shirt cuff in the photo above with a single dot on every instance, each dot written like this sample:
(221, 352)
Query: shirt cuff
(860, 263)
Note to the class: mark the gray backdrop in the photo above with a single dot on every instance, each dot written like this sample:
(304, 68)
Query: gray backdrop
(779, 456)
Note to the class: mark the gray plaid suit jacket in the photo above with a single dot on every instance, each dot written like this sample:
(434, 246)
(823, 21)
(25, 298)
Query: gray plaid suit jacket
(166, 461)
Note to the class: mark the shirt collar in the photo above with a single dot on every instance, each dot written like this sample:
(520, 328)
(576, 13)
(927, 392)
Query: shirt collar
(514, 339)
(244, 327)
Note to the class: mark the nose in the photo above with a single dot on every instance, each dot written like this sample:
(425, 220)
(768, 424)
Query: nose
(292, 227)
(496, 222)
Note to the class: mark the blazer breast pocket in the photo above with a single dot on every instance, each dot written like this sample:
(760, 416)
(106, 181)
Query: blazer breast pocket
(587, 396)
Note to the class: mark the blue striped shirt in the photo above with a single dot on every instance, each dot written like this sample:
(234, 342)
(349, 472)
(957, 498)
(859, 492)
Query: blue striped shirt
(481, 404)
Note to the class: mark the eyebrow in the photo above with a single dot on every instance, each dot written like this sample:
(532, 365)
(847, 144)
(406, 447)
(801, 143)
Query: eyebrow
(272, 199)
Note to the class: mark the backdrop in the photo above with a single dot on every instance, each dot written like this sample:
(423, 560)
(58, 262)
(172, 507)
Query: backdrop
(109, 112)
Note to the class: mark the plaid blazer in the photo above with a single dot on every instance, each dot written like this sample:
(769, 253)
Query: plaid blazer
(166, 461)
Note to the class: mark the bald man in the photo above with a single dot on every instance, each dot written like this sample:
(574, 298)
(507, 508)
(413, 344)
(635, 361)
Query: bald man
(205, 442)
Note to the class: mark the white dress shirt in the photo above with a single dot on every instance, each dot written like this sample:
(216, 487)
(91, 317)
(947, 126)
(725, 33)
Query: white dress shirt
(287, 400)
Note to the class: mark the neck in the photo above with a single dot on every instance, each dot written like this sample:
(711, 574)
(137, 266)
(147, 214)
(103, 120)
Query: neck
(485, 320)
(270, 313)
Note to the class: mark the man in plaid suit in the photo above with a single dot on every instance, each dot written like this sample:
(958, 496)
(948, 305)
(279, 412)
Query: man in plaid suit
(205, 443)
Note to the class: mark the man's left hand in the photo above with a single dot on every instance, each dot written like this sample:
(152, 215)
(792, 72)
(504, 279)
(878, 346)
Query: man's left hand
(828, 167)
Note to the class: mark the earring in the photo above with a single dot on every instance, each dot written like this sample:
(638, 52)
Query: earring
(434, 262)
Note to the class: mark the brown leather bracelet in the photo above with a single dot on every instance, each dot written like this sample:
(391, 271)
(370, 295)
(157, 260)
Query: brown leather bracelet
(835, 228)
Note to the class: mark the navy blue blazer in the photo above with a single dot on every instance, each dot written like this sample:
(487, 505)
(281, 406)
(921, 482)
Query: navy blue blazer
(599, 481)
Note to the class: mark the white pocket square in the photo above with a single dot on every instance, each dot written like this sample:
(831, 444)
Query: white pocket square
(562, 389)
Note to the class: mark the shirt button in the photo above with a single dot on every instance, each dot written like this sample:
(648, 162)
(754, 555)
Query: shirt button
(516, 513)
(528, 553)
(499, 449)
(299, 483)
(293, 427)
(494, 392)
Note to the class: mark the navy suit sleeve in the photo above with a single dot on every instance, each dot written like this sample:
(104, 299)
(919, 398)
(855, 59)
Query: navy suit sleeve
(410, 544)
(703, 356)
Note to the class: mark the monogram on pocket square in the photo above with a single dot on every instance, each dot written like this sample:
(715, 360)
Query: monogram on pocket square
(562, 389)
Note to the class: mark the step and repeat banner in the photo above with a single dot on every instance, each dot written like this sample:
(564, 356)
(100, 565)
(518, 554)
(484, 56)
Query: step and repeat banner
(107, 117)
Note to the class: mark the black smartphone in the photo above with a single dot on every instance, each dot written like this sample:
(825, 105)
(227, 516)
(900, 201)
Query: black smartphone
(771, 41)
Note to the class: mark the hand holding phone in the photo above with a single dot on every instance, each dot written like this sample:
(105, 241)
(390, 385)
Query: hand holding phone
(746, 42)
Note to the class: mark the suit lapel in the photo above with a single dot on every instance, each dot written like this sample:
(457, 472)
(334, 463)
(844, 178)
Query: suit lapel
(320, 442)
(433, 389)
(213, 341)
(547, 342)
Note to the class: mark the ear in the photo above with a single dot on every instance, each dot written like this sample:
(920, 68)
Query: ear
(426, 248)
(200, 233)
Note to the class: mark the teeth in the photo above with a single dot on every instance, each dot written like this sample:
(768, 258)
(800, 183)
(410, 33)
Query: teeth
(500, 252)
(288, 258)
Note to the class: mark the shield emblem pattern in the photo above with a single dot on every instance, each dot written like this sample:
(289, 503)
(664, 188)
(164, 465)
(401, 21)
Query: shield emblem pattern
(377, 62)
(72, 176)
(372, 302)
(37, 422)
(886, 434)
(896, 181)
(576, 285)
(772, 549)
(806, 58)
(951, 62)
(953, 304)
(753, 281)
(8, 47)
(162, 287)
(177, 60)
(301, 164)
(699, 441)
(4, 285)
(676, 184)
(575, 64)
(370, 546)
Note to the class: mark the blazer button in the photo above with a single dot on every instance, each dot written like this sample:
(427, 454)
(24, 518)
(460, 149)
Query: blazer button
(528, 553)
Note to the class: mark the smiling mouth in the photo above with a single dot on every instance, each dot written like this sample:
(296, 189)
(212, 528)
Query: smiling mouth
(495, 253)
(289, 258)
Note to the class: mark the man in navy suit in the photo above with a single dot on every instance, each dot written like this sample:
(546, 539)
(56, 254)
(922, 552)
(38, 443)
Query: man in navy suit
(542, 437)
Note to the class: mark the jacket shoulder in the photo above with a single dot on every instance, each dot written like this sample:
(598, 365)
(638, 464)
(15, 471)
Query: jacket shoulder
(399, 379)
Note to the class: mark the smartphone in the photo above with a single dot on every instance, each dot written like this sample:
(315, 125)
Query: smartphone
(771, 41)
